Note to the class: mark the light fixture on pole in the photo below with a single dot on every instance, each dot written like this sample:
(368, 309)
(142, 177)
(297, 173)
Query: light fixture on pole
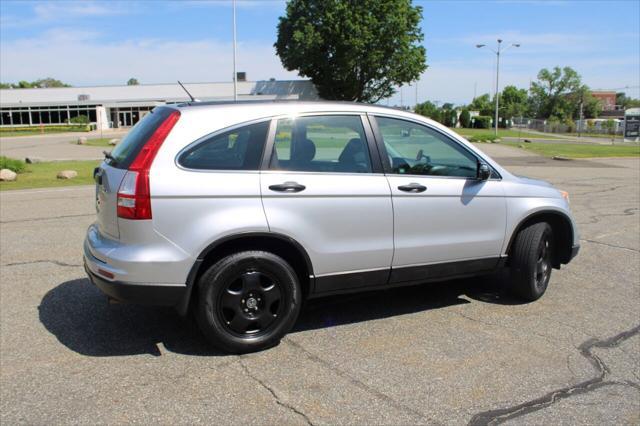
(497, 52)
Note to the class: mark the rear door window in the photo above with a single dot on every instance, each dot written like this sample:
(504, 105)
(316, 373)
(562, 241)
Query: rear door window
(238, 149)
(333, 143)
(126, 151)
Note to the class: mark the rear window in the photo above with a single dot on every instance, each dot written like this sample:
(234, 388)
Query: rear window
(126, 151)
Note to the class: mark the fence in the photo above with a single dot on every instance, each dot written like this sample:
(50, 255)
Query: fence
(594, 126)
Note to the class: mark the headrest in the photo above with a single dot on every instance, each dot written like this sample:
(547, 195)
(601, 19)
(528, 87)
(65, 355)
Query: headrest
(304, 151)
(351, 149)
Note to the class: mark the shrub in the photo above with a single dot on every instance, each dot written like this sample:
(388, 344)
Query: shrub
(80, 119)
(465, 118)
(482, 122)
(17, 166)
(571, 125)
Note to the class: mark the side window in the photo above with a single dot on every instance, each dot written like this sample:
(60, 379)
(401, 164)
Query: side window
(331, 143)
(418, 150)
(239, 149)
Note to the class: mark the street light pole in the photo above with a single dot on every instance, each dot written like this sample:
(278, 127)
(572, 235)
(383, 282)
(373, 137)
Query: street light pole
(497, 83)
(497, 52)
(235, 74)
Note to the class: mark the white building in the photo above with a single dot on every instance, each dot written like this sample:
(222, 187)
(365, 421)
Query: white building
(123, 106)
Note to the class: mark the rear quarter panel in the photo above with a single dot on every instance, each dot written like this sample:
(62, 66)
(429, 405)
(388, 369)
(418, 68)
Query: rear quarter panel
(192, 208)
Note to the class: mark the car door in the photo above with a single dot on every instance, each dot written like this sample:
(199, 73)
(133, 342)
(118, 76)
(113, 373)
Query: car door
(322, 185)
(447, 222)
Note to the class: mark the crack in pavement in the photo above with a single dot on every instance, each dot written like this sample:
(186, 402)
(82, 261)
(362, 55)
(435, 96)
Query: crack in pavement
(55, 262)
(273, 393)
(596, 218)
(493, 417)
(609, 245)
(46, 218)
(397, 405)
(550, 339)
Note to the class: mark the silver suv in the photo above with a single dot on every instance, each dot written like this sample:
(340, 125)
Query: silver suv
(240, 212)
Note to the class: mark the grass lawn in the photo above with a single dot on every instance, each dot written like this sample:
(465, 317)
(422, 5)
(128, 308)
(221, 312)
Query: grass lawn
(43, 175)
(579, 150)
(95, 142)
(30, 131)
(512, 133)
(595, 135)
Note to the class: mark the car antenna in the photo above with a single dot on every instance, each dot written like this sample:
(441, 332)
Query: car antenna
(185, 89)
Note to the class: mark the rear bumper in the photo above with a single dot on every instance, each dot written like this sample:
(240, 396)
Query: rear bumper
(142, 294)
(125, 272)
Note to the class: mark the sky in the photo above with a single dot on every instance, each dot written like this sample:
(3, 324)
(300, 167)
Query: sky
(87, 43)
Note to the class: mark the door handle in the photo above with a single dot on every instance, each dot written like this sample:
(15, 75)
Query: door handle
(288, 187)
(412, 187)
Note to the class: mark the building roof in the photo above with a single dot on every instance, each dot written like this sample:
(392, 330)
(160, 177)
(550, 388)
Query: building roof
(150, 93)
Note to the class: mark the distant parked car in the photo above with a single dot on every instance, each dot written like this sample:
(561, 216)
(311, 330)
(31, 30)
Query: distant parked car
(239, 212)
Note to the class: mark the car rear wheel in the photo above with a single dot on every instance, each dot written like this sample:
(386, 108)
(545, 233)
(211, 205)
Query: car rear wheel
(248, 301)
(532, 261)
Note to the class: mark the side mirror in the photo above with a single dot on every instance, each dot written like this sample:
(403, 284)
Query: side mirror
(484, 171)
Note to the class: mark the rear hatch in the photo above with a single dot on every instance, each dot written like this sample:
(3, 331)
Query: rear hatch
(110, 173)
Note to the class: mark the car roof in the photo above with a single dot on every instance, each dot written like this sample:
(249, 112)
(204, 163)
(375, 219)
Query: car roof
(277, 107)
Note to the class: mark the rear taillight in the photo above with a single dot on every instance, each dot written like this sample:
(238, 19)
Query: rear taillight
(134, 195)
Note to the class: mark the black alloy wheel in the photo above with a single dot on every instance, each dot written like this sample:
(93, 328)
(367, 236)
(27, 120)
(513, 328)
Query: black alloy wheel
(248, 301)
(250, 304)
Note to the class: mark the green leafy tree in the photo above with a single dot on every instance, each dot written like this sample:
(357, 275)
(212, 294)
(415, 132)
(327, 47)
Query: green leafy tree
(49, 82)
(550, 93)
(133, 82)
(430, 110)
(353, 50)
(482, 104)
(626, 102)
(465, 118)
(43, 82)
(513, 102)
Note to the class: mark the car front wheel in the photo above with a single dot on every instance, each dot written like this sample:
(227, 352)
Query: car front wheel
(248, 301)
(532, 261)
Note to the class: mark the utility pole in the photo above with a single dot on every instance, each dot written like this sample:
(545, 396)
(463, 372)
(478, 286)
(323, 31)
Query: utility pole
(581, 116)
(497, 82)
(235, 74)
(497, 52)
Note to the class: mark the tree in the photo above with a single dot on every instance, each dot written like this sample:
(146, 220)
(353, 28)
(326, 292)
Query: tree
(353, 50)
(49, 82)
(43, 83)
(591, 106)
(429, 109)
(482, 104)
(132, 82)
(626, 102)
(465, 118)
(549, 95)
(513, 102)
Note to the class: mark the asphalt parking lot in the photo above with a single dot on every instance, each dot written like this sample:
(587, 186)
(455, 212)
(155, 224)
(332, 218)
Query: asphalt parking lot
(450, 353)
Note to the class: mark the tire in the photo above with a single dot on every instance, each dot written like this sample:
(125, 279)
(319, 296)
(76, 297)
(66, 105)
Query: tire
(248, 301)
(531, 262)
